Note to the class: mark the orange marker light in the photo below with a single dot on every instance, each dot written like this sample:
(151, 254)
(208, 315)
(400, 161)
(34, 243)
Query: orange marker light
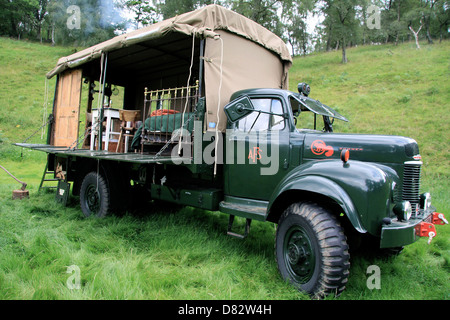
(345, 155)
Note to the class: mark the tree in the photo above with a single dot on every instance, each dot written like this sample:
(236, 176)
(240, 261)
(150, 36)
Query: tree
(40, 12)
(414, 20)
(264, 12)
(416, 34)
(17, 17)
(145, 12)
(428, 8)
(341, 22)
(393, 17)
(294, 28)
(443, 18)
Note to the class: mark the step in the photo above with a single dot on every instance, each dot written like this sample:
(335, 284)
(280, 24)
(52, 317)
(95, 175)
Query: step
(237, 235)
(242, 207)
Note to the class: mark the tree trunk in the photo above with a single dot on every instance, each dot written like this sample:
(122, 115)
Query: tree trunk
(329, 44)
(39, 31)
(430, 41)
(416, 35)
(398, 20)
(53, 34)
(344, 53)
(329, 40)
(427, 29)
(293, 48)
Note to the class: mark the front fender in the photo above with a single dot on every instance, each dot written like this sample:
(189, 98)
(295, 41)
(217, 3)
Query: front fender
(361, 189)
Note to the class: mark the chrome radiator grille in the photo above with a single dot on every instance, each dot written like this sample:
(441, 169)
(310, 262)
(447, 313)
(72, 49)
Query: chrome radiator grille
(411, 183)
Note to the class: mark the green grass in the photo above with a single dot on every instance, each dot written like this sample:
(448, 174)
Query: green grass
(154, 254)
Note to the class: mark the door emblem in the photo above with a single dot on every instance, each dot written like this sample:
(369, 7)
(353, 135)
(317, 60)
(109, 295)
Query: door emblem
(255, 155)
(318, 147)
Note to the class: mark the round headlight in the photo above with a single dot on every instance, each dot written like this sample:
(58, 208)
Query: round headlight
(425, 200)
(403, 210)
(407, 210)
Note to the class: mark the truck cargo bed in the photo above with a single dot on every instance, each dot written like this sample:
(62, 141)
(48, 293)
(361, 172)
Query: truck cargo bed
(105, 155)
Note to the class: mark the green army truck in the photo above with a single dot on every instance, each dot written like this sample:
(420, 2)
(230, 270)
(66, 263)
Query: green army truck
(196, 111)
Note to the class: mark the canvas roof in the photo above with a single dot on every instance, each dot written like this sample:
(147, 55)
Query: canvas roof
(203, 23)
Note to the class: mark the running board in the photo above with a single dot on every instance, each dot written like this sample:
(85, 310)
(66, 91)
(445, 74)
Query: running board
(237, 235)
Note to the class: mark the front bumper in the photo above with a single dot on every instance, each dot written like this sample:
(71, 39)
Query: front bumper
(401, 233)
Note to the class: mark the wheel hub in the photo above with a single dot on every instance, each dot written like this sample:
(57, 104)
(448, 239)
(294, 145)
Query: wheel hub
(299, 255)
(92, 199)
(295, 253)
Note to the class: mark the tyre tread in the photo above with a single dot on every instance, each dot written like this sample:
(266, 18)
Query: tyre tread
(334, 253)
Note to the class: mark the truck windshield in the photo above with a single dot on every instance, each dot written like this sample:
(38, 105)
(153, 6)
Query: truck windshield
(301, 103)
(270, 118)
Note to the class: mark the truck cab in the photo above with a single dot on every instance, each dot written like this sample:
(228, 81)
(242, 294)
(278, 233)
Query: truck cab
(366, 183)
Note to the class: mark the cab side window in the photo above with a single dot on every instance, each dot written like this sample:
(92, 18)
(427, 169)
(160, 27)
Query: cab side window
(257, 121)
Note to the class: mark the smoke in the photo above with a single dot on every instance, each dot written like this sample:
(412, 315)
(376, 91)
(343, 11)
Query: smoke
(98, 14)
(110, 14)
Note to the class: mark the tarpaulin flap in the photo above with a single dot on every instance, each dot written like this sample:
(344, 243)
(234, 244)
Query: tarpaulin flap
(233, 63)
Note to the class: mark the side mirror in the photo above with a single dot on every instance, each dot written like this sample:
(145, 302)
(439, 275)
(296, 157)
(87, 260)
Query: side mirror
(239, 108)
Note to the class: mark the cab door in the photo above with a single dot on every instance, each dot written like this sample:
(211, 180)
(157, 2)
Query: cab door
(257, 150)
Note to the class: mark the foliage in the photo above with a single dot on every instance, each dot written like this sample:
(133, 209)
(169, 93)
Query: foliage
(344, 23)
(56, 21)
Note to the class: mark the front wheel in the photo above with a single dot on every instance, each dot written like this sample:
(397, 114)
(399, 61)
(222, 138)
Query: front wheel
(311, 250)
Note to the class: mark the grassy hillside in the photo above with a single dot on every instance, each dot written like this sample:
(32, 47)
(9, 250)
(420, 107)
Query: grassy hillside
(23, 66)
(186, 254)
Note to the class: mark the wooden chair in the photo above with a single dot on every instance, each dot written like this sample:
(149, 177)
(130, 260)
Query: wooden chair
(128, 126)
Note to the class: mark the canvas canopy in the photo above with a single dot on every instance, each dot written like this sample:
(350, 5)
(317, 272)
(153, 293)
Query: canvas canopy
(238, 54)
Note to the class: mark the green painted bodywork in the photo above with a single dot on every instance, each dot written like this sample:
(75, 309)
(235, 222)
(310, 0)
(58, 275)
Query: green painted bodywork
(310, 164)
(204, 198)
(363, 200)
(398, 234)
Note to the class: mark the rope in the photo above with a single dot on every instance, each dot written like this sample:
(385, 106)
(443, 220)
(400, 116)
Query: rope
(100, 113)
(45, 105)
(187, 90)
(218, 106)
(50, 119)
(100, 98)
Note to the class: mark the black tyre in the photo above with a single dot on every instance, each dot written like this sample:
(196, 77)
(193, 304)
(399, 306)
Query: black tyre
(94, 195)
(311, 250)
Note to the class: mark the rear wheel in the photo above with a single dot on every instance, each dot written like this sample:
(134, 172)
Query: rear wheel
(311, 250)
(94, 195)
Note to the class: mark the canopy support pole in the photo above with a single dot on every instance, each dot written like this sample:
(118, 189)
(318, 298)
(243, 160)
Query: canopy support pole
(104, 64)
